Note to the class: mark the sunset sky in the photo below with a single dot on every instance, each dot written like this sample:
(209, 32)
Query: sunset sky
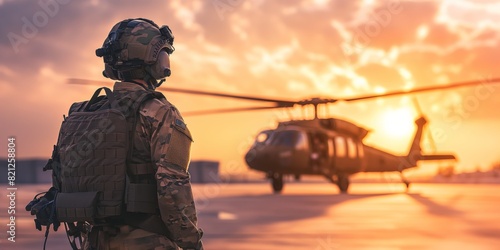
(282, 49)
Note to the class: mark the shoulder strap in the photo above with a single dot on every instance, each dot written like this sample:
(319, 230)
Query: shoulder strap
(145, 96)
(158, 95)
(94, 98)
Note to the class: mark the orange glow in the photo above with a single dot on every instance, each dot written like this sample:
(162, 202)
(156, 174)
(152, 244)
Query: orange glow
(321, 48)
(397, 122)
(422, 32)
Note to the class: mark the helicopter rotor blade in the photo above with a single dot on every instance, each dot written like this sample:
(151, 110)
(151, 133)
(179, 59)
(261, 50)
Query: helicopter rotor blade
(417, 106)
(281, 103)
(424, 89)
(221, 111)
(313, 101)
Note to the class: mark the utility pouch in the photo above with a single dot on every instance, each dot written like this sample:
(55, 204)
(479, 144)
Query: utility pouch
(79, 206)
(142, 198)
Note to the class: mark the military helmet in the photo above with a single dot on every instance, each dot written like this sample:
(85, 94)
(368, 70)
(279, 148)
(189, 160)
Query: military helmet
(132, 50)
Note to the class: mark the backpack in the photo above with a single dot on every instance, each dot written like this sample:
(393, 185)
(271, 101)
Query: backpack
(91, 161)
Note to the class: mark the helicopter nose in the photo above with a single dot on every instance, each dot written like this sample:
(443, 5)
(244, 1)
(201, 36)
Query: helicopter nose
(255, 157)
(251, 156)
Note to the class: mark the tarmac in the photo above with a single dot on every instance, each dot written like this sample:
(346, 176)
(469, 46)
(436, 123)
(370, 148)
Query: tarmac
(315, 216)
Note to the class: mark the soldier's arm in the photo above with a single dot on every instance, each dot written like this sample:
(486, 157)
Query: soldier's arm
(170, 146)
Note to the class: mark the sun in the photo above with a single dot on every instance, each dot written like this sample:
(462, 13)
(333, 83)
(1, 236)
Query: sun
(398, 122)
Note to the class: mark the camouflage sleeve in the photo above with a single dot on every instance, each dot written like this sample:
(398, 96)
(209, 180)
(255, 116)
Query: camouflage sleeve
(170, 149)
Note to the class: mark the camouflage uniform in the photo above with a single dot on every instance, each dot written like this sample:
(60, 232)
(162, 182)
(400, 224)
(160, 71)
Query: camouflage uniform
(162, 136)
(139, 49)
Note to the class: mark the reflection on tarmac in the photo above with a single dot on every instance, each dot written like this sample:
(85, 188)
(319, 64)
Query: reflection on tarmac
(373, 216)
(314, 216)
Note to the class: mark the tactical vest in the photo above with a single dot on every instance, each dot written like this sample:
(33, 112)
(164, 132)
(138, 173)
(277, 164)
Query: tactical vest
(94, 148)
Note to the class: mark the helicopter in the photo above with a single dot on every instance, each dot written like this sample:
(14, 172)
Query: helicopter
(328, 147)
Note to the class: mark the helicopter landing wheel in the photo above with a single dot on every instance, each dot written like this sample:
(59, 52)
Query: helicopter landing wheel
(343, 183)
(407, 185)
(277, 182)
(405, 181)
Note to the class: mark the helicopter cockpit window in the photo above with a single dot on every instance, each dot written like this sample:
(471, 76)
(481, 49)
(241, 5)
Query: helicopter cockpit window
(340, 148)
(290, 138)
(301, 142)
(351, 148)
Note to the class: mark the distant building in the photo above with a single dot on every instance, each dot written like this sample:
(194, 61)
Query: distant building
(30, 171)
(27, 171)
(204, 171)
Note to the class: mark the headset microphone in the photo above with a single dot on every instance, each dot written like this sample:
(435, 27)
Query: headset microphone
(167, 72)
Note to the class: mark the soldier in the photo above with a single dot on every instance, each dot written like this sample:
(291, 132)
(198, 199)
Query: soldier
(139, 60)
(136, 52)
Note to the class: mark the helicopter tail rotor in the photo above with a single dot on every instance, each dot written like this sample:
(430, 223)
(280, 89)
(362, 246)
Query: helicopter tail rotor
(432, 142)
(415, 153)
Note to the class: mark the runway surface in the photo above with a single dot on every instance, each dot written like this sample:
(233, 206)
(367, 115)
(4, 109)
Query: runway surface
(314, 216)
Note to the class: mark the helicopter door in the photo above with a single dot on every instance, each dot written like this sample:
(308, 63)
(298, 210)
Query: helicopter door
(331, 154)
(301, 151)
(320, 152)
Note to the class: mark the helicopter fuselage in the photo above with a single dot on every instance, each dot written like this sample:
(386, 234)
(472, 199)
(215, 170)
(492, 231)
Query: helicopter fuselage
(328, 147)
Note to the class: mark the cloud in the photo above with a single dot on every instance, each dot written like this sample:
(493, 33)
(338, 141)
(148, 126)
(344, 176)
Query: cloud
(393, 23)
(379, 75)
(470, 14)
(440, 35)
(291, 50)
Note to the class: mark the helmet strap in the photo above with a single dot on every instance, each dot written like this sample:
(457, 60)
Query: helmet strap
(140, 73)
(161, 81)
(129, 74)
(150, 80)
